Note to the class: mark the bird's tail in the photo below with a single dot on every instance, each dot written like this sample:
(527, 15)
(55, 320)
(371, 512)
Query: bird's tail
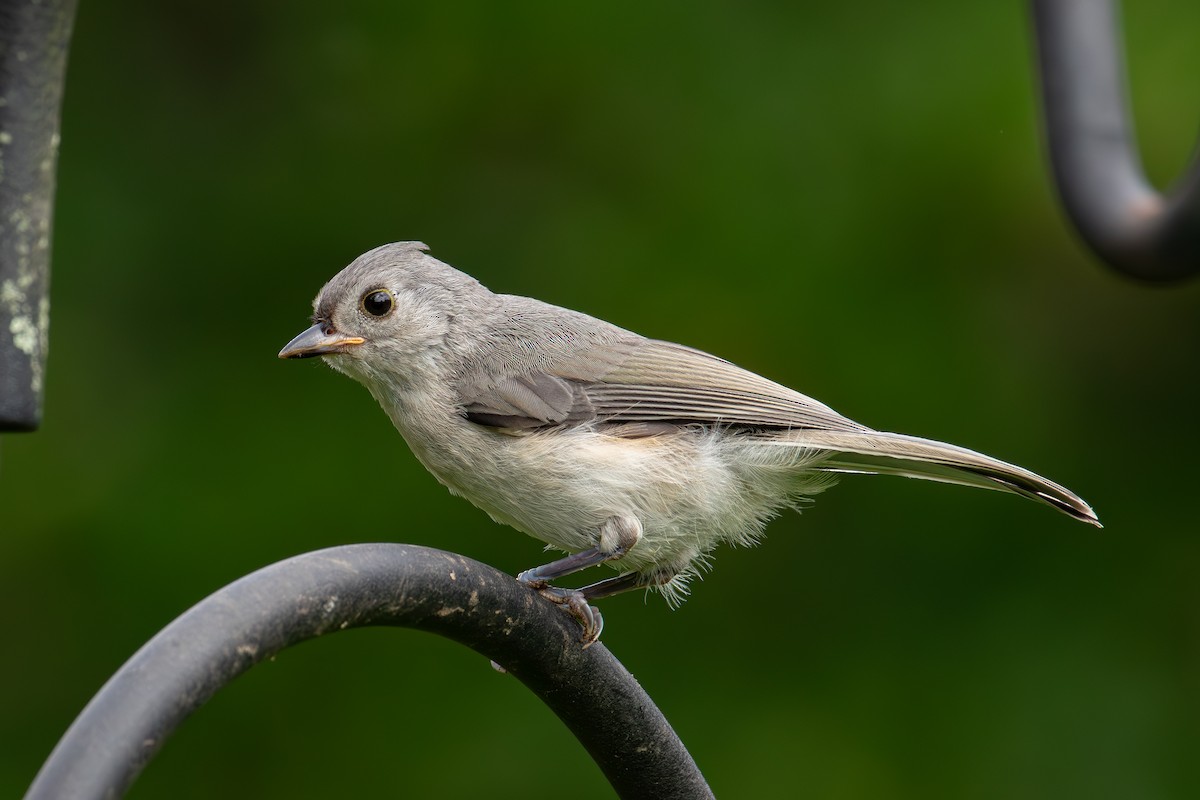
(880, 453)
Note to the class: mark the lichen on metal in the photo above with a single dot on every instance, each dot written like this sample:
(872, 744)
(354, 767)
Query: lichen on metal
(33, 49)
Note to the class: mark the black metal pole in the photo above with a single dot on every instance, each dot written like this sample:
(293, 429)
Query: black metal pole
(1089, 136)
(250, 620)
(33, 57)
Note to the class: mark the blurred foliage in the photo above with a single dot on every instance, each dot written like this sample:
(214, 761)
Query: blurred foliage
(850, 199)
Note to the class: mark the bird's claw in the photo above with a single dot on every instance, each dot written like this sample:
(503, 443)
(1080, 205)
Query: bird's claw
(575, 603)
(527, 578)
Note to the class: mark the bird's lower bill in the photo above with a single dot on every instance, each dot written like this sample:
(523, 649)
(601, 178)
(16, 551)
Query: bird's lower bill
(317, 342)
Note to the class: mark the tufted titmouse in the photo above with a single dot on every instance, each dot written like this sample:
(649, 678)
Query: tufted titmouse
(616, 448)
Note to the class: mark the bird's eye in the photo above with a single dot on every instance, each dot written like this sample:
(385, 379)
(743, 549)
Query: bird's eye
(377, 302)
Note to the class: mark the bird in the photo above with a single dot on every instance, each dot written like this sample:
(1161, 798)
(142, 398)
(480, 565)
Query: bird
(611, 447)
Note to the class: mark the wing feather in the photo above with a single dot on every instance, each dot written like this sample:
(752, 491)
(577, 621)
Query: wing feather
(645, 381)
(532, 400)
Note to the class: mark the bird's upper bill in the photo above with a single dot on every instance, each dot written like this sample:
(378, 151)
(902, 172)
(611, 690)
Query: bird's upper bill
(319, 341)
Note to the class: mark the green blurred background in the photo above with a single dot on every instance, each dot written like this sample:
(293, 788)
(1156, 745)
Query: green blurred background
(850, 200)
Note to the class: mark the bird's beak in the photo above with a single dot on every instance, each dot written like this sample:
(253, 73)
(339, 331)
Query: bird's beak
(316, 342)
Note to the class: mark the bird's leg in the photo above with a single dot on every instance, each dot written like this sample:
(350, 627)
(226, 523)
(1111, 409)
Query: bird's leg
(625, 582)
(617, 536)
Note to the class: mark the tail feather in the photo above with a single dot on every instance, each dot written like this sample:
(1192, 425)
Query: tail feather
(882, 453)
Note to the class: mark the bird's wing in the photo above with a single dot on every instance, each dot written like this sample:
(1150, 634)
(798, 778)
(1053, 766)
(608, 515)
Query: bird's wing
(527, 401)
(644, 387)
(648, 385)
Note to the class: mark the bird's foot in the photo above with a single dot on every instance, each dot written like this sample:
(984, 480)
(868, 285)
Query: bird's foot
(616, 537)
(575, 603)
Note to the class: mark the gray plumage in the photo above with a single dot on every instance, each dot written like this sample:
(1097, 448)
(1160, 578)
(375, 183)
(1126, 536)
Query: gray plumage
(594, 439)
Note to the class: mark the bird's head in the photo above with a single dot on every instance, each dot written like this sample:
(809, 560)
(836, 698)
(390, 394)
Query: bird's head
(387, 315)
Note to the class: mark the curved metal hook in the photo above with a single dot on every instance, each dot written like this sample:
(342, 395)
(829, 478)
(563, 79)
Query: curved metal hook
(252, 619)
(1135, 229)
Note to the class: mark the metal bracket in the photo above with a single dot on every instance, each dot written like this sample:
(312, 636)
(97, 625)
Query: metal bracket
(1131, 226)
(33, 59)
(314, 594)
